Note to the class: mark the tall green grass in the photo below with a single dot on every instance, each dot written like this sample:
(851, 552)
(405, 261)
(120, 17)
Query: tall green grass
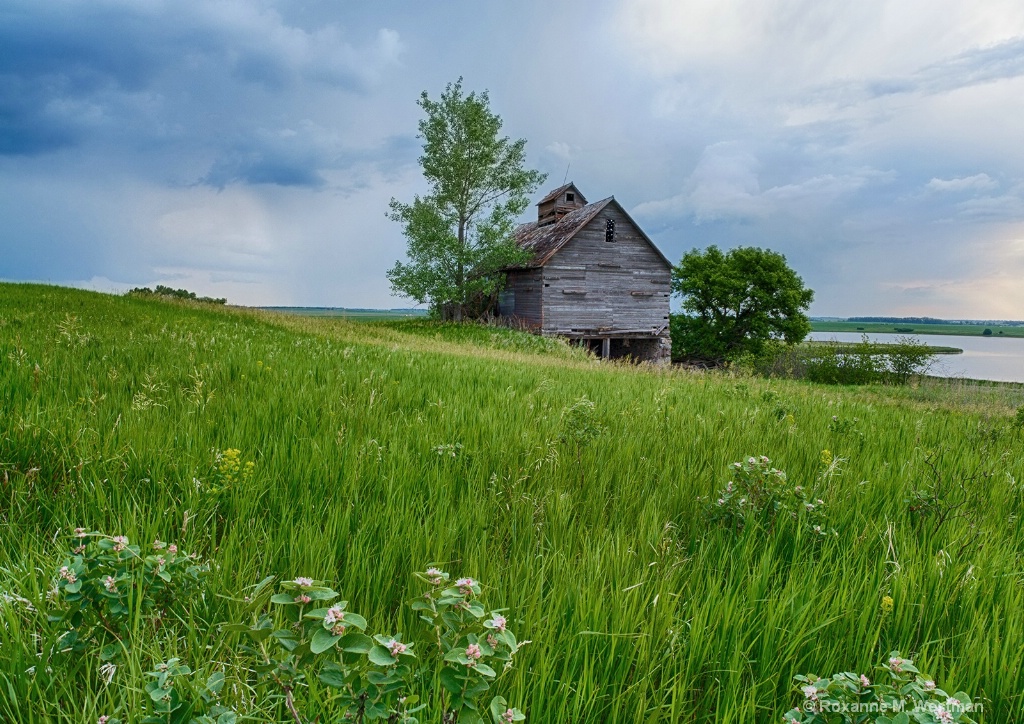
(637, 610)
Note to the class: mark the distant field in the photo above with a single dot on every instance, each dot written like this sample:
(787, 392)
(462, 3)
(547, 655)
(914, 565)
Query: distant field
(359, 315)
(960, 330)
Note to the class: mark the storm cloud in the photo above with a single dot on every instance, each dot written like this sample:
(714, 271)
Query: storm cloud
(249, 148)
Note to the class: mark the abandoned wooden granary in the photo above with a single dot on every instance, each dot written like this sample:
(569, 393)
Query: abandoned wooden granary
(594, 276)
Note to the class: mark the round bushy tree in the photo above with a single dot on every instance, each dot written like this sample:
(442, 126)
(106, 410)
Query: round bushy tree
(734, 303)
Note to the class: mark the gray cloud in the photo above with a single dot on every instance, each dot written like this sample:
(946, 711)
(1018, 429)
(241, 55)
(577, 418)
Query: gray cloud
(248, 148)
(965, 69)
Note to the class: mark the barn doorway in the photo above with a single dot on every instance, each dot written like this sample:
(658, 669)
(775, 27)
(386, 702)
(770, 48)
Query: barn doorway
(639, 349)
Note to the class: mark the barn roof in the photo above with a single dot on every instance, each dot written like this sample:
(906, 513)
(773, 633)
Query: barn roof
(545, 240)
(559, 191)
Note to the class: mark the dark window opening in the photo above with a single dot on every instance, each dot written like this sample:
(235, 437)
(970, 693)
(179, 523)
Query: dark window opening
(570, 197)
(609, 230)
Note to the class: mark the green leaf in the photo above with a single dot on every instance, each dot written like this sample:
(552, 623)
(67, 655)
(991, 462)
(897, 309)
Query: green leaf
(321, 594)
(477, 688)
(469, 716)
(901, 718)
(282, 598)
(356, 643)
(450, 680)
(381, 656)
(376, 710)
(333, 676)
(215, 682)
(322, 640)
(228, 717)
(497, 708)
(354, 619)
(485, 670)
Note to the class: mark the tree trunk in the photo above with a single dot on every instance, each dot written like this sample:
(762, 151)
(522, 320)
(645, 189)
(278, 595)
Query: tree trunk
(460, 279)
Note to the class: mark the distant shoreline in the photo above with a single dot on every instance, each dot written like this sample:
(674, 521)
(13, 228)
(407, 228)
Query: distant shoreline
(911, 329)
(851, 347)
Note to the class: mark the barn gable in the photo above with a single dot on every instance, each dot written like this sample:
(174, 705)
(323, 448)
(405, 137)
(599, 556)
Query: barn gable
(593, 275)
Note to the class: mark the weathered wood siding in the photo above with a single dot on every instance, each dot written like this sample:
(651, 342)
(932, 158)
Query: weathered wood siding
(593, 284)
(522, 296)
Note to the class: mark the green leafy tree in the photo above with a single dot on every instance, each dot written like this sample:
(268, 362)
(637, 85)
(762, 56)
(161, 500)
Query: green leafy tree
(460, 233)
(735, 303)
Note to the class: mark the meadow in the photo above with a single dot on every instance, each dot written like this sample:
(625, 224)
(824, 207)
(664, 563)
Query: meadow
(380, 448)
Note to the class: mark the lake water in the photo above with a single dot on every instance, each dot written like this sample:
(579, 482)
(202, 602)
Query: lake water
(984, 358)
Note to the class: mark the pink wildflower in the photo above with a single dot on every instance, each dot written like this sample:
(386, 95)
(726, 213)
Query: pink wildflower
(465, 584)
(303, 582)
(396, 648)
(721, 501)
(499, 622)
(492, 642)
(943, 716)
(333, 620)
(67, 574)
(103, 719)
(508, 716)
(929, 685)
(896, 664)
(172, 549)
(864, 681)
(473, 653)
(303, 599)
(110, 584)
(810, 692)
(120, 542)
(436, 576)
(79, 532)
(159, 545)
(161, 562)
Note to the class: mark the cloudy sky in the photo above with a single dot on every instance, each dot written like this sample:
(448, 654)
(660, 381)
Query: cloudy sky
(248, 148)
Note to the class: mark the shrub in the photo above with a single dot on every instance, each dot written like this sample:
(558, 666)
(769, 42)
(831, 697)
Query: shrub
(104, 580)
(902, 695)
(175, 699)
(169, 293)
(760, 495)
(868, 363)
(308, 632)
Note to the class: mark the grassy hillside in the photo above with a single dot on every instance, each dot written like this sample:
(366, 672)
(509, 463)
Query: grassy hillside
(381, 448)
